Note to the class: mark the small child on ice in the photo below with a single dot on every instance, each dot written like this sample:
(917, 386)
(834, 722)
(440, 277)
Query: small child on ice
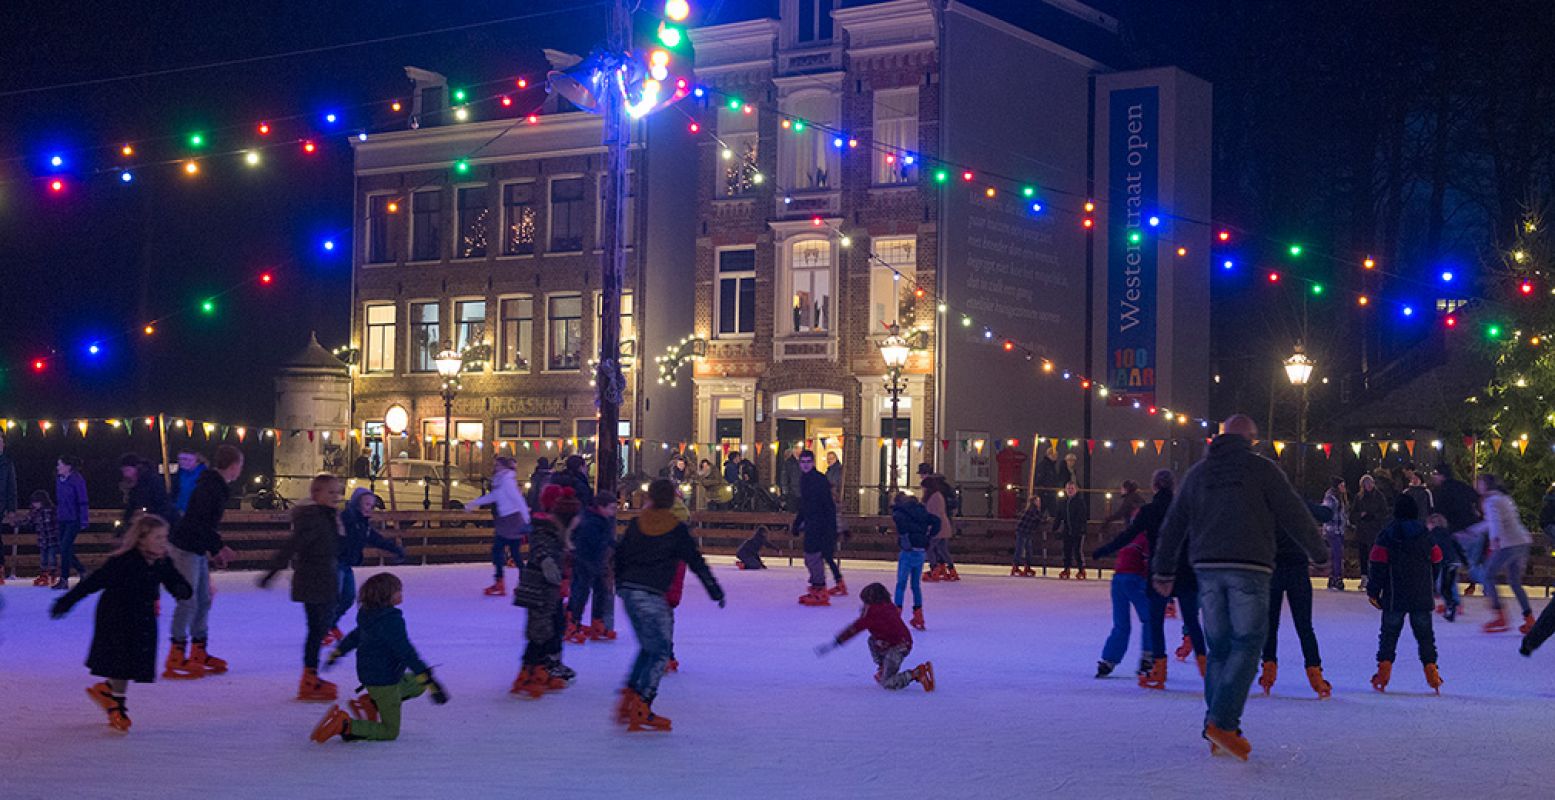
(45, 525)
(749, 554)
(312, 551)
(1453, 559)
(915, 531)
(124, 641)
(1025, 533)
(1129, 581)
(540, 593)
(386, 663)
(1399, 585)
(889, 641)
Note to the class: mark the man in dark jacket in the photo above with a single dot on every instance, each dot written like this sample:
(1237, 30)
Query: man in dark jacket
(146, 491)
(576, 476)
(791, 479)
(732, 468)
(8, 500)
(1074, 515)
(195, 544)
(1454, 499)
(1230, 510)
(817, 520)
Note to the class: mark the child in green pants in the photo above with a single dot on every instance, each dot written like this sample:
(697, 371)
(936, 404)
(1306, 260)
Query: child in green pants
(386, 664)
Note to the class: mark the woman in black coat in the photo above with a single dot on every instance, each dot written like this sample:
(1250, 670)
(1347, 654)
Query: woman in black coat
(124, 641)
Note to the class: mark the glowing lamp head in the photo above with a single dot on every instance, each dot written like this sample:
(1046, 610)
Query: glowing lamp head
(894, 349)
(1369, 263)
(1409, 311)
(1224, 236)
(330, 118)
(94, 349)
(677, 10)
(1274, 277)
(1451, 322)
(191, 167)
(506, 101)
(251, 158)
(396, 106)
(448, 362)
(392, 207)
(208, 307)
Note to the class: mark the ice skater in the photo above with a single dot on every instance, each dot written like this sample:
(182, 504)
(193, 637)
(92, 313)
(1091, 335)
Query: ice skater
(915, 529)
(889, 641)
(1400, 587)
(749, 554)
(124, 639)
(1147, 521)
(1292, 583)
(1509, 545)
(816, 521)
(656, 541)
(1073, 515)
(512, 519)
(44, 522)
(1025, 533)
(1129, 576)
(312, 551)
(196, 546)
(357, 523)
(539, 592)
(386, 663)
(1453, 558)
(592, 540)
(936, 499)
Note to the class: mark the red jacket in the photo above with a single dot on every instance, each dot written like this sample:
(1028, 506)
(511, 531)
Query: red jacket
(883, 621)
(1134, 558)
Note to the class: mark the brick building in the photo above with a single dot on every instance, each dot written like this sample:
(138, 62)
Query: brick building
(485, 235)
(801, 233)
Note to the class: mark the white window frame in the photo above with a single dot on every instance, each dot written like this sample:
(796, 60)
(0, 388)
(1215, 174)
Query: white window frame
(550, 213)
(784, 309)
(367, 338)
(534, 207)
(718, 279)
(410, 256)
(881, 276)
(367, 228)
(500, 349)
(737, 130)
(895, 132)
(550, 343)
(802, 147)
(457, 322)
(458, 237)
(410, 333)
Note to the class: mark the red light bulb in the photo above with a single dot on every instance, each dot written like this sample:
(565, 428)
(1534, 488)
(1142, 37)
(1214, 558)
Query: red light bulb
(308, 146)
(695, 128)
(1088, 222)
(264, 129)
(816, 221)
(1274, 277)
(266, 278)
(1452, 322)
(534, 119)
(56, 185)
(523, 84)
(1008, 345)
(38, 364)
(507, 101)
(1527, 288)
(1225, 236)
(966, 176)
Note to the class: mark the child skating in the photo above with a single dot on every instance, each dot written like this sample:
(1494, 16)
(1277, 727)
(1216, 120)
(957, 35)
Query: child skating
(889, 641)
(539, 592)
(45, 525)
(357, 523)
(124, 639)
(1129, 576)
(1025, 536)
(1448, 602)
(592, 540)
(749, 554)
(1399, 584)
(312, 552)
(915, 530)
(386, 663)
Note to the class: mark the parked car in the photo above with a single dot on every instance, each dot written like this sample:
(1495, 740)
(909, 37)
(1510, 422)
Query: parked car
(417, 480)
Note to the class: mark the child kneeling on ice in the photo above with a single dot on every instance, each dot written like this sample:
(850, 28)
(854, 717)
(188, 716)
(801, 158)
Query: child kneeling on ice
(749, 554)
(1400, 586)
(889, 641)
(386, 664)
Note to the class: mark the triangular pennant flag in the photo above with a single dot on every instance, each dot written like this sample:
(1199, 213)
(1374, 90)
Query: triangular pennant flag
(208, 427)
(81, 425)
(1355, 447)
(1160, 443)
(1279, 448)
(310, 435)
(978, 443)
(1468, 442)
(1090, 446)
(1522, 445)
(758, 447)
(944, 444)
(1495, 444)
(1409, 445)
(1134, 447)
(1328, 449)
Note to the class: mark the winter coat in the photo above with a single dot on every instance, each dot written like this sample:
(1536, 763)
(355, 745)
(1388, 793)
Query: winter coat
(790, 478)
(540, 580)
(184, 484)
(834, 476)
(384, 652)
(1458, 503)
(505, 496)
(749, 553)
(592, 539)
(148, 494)
(1506, 527)
(1134, 559)
(655, 542)
(1400, 576)
(538, 480)
(1370, 512)
(1424, 499)
(1230, 508)
(313, 552)
(731, 471)
(1030, 521)
(915, 526)
(1339, 514)
(1452, 552)
(45, 524)
(884, 623)
(70, 499)
(198, 529)
(124, 640)
(359, 535)
(935, 505)
(8, 496)
(1074, 514)
(579, 481)
(817, 516)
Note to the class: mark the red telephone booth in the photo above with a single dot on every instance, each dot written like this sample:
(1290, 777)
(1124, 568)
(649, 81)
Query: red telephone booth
(1009, 461)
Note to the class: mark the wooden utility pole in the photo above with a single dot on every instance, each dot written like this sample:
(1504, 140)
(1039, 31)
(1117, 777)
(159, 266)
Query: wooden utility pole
(608, 381)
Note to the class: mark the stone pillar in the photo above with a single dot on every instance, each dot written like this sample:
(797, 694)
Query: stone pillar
(313, 396)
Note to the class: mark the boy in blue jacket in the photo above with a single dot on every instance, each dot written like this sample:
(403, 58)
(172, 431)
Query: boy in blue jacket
(385, 656)
(592, 541)
(915, 528)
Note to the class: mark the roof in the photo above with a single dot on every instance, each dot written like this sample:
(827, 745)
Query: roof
(314, 356)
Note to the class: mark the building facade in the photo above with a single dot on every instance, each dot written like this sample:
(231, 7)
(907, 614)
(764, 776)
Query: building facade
(484, 236)
(819, 225)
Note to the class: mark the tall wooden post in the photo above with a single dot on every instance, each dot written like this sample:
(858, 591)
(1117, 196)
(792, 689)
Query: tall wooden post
(608, 380)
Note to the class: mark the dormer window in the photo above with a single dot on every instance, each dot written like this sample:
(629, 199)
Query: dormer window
(813, 20)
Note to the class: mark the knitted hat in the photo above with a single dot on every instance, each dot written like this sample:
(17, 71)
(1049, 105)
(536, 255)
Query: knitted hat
(552, 493)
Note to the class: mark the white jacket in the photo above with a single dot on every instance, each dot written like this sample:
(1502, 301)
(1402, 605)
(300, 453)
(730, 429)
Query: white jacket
(505, 494)
(1506, 527)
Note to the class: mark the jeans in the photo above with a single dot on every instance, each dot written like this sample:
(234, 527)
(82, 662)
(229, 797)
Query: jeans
(1128, 591)
(1295, 584)
(888, 662)
(1513, 560)
(388, 699)
(1023, 549)
(347, 584)
(48, 556)
(909, 567)
(1074, 555)
(653, 622)
(191, 617)
(500, 550)
(68, 529)
(1188, 605)
(1236, 619)
(939, 552)
(1447, 584)
(321, 617)
(586, 580)
(1393, 625)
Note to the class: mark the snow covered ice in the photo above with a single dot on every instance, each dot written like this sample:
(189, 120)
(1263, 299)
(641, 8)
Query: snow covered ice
(1016, 712)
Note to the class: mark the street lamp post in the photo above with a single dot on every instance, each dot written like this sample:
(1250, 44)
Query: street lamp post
(894, 349)
(449, 363)
(1298, 368)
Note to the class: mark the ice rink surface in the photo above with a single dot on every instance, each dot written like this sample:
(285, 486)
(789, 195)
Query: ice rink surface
(757, 714)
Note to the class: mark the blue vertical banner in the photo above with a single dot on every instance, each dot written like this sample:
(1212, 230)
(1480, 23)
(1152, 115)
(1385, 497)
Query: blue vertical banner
(1133, 124)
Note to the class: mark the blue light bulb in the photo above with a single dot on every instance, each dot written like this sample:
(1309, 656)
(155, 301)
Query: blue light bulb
(126, 177)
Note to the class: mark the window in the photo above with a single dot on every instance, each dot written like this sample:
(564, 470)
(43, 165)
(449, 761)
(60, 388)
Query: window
(736, 292)
(896, 134)
(815, 22)
(565, 316)
(809, 276)
(738, 173)
(529, 429)
(425, 340)
(473, 214)
(518, 332)
(380, 243)
(810, 401)
(518, 215)
(631, 204)
(628, 326)
(587, 429)
(811, 158)
(470, 324)
(426, 225)
(379, 342)
(567, 198)
(891, 298)
(729, 420)
(1449, 305)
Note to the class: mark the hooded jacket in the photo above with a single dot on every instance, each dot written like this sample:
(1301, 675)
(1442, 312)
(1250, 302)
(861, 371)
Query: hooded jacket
(817, 516)
(198, 529)
(592, 539)
(360, 534)
(505, 495)
(313, 552)
(915, 526)
(1230, 509)
(384, 652)
(1400, 570)
(655, 542)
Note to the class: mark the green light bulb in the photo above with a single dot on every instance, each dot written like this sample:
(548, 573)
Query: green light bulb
(461, 166)
(1295, 249)
(209, 306)
(196, 140)
(1029, 191)
(459, 95)
(1317, 288)
(1494, 331)
(940, 176)
(1134, 237)
(734, 104)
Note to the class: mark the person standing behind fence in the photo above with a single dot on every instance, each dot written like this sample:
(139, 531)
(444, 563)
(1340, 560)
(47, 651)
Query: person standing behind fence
(1337, 501)
(512, 518)
(1229, 510)
(70, 503)
(194, 546)
(1074, 515)
(145, 491)
(1371, 511)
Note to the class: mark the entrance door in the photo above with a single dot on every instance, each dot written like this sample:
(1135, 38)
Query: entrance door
(903, 458)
